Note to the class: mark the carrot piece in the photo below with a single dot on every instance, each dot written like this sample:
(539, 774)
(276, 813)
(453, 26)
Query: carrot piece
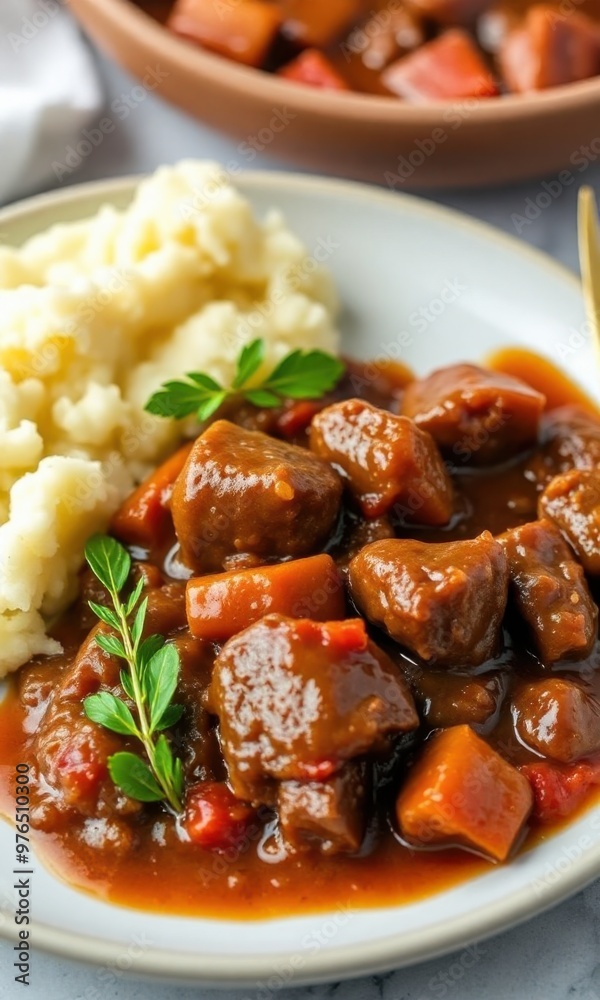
(558, 790)
(144, 516)
(462, 793)
(241, 31)
(221, 605)
(314, 69)
(448, 67)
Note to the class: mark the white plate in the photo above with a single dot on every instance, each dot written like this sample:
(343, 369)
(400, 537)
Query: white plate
(432, 287)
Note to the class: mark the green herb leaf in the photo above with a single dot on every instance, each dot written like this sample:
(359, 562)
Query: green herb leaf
(160, 682)
(109, 561)
(126, 684)
(147, 649)
(250, 359)
(133, 776)
(110, 712)
(169, 718)
(262, 397)
(300, 375)
(305, 375)
(111, 645)
(163, 760)
(134, 596)
(105, 614)
(138, 623)
(210, 406)
(178, 777)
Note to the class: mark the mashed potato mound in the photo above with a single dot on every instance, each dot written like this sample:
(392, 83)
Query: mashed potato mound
(94, 315)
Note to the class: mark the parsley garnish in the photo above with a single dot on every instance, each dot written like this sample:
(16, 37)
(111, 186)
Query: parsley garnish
(149, 681)
(300, 375)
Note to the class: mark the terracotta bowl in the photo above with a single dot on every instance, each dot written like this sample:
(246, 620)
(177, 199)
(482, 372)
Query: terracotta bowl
(402, 146)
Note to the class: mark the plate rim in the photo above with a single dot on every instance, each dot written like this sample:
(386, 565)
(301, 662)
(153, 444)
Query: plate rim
(392, 951)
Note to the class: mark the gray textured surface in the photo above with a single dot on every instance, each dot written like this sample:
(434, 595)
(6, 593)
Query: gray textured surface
(556, 956)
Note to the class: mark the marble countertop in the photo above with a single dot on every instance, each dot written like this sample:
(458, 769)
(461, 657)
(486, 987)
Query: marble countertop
(557, 955)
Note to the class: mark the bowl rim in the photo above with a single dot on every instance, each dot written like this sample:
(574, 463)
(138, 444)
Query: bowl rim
(125, 15)
(391, 951)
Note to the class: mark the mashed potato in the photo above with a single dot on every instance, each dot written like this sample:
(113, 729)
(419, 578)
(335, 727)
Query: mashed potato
(94, 315)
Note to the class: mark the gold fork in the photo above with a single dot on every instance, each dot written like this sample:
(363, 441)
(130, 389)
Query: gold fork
(589, 259)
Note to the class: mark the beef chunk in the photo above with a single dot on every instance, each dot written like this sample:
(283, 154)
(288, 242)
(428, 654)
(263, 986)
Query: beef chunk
(242, 492)
(388, 462)
(297, 698)
(559, 719)
(569, 439)
(327, 815)
(447, 699)
(572, 501)
(443, 601)
(550, 591)
(462, 793)
(474, 415)
(548, 49)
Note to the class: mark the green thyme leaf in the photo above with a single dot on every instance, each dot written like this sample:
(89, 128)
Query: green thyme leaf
(110, 712)
(111, 645)
(109, 561)
(133, 776)
(105, 614)
(160, 682)
(169, 718)
(134, 596)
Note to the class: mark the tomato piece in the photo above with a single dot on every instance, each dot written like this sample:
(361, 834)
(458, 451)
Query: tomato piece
(448, 67)
(559, 791)
(297, 418)
(214, 819)
(314, 69)
(81, 771)
(144, 516)
(319, 770)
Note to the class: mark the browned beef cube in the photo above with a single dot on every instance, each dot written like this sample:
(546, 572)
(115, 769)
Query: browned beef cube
(572, 501)
(550, 591)
(389, 463)
(448, 699)
(242, 492)
(559, 719)
(327, 815)
(569, 439)
(475, 416)
(549, 49)
(297, 698)
(443, 601)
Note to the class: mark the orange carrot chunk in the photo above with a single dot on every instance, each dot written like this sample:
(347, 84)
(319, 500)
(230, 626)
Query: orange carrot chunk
(144, 516)
(462, 793)
(448, 67)
(221, 605)
(315, 70)
(242, 31)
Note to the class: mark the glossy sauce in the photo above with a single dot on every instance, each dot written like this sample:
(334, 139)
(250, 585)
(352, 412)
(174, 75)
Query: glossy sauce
(166, 875)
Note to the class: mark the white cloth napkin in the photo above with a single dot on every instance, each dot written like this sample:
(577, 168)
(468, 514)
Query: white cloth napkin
(49, 92)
